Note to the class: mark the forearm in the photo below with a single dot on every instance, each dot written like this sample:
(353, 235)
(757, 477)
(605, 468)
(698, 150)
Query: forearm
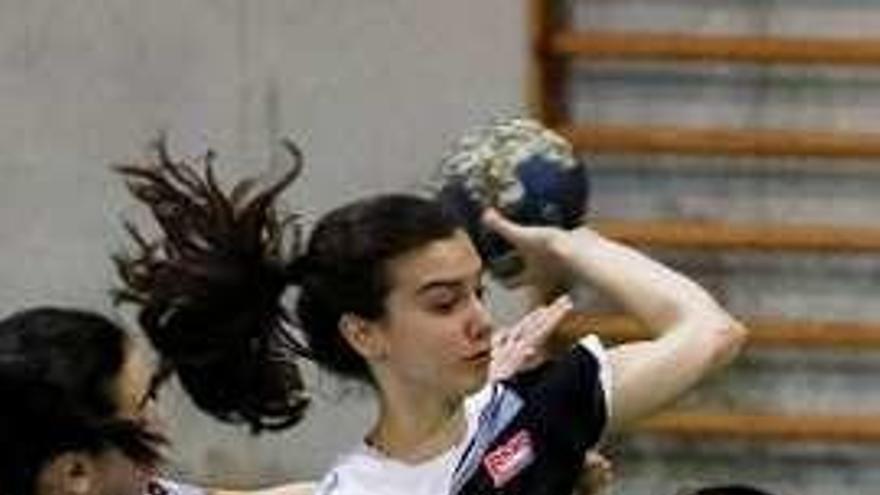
(661, 298)
(694, 335)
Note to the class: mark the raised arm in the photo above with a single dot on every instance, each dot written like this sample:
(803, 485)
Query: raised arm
(693, 334)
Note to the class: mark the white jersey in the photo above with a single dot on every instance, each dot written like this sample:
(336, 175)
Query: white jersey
(163, 486)
(524, 435)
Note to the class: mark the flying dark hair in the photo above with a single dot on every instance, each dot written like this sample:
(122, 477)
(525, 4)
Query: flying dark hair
(209, 289)
(59, 369)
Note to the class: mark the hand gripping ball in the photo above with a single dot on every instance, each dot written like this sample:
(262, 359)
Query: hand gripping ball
(526, 171)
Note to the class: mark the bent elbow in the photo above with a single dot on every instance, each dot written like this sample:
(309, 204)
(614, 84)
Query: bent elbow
(729, 340)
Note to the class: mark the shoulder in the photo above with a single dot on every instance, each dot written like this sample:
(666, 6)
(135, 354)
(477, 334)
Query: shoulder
(571, 394)
(358, 471)
(164, 486)
(301, 488)
(365, 471)
(584, 365)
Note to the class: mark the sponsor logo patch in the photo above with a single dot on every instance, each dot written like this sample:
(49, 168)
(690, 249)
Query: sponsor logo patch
(510, 458)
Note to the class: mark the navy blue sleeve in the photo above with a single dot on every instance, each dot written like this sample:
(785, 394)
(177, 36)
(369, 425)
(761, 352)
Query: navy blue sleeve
(534, 433)
(566, 399)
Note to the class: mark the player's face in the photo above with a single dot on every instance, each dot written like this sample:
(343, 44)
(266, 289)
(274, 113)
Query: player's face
(135, 401)
(134, 390)
(117, 474)
(108, 471)
(436, 326)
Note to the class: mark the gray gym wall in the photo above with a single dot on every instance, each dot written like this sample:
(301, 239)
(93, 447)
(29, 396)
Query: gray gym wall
(373, 91)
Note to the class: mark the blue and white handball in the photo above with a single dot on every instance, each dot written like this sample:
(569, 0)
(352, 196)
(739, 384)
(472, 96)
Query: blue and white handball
(526, 171)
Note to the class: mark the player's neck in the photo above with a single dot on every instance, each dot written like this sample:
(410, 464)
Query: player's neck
(415, 431)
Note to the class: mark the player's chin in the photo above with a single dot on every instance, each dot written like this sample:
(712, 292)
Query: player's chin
(475, 376)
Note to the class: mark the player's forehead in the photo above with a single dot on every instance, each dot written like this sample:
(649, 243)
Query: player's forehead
(442, 262)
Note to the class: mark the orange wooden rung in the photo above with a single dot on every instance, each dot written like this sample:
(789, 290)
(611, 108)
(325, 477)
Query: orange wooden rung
(690, 47)
(764, 332)
(764, 427)
(721, 141)
(700, 234)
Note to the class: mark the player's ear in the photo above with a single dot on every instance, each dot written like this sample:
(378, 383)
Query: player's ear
(70, 473)
(364, 336)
